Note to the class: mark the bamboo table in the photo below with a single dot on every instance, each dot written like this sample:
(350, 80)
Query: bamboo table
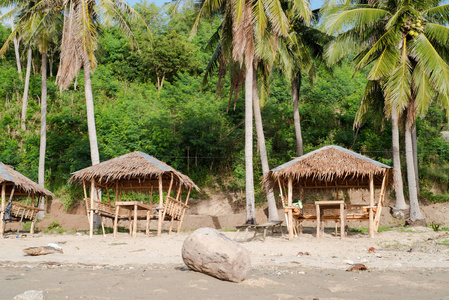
(132, 206)
(323, 205)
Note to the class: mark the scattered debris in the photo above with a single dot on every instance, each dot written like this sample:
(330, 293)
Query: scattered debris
(302, 253)
(13, 277)
(348, 262)
(371, 250)
(296, 262)
(356, 268)
(31, 295)
(42, 250)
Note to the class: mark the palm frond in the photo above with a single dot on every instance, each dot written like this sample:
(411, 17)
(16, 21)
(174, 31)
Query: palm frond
(438, 33)
(397, 85)
(371, 104)
(302, 10)
(380, 48)
(423, 91)
(344, 45)
(278, 19)
(438, 13)
(384, 64)
(432, 63)
(358, 17)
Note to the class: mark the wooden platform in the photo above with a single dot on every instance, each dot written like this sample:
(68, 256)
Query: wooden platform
(265, 226)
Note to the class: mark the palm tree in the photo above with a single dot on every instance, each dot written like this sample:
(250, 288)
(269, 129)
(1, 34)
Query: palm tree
(373, 104)
(40, 29)
(247, 22)
(297, 53)
(404, 45)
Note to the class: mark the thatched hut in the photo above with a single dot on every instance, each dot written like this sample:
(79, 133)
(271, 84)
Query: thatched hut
(331, 167)
(142, 173)
(17, 185)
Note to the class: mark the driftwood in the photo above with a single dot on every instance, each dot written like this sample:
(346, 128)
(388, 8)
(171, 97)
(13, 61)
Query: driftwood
(356, 268)
(42, 250)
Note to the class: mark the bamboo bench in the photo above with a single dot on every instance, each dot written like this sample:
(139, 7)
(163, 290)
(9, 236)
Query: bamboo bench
(21, 212)
(175, 210)
(265, 226)
(354, 212)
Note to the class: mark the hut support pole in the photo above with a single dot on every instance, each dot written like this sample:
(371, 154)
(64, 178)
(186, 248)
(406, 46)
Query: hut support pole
(183, 211)
(283, 202)
(301, 191)
(23, 214)
(135, 221)
(91, 223)
(168, 195)
(161, 203)
(381, 202)
(371, 205)
(2, 214)
(85, 202)
(290, 213)
(173, 215)
(117, 211)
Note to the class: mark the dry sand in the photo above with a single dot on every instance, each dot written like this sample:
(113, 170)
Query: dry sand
(406, 264)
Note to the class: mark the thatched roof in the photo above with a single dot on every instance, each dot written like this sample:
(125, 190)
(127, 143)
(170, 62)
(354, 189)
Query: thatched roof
(135, 169)
(330, 166)
(23, 186)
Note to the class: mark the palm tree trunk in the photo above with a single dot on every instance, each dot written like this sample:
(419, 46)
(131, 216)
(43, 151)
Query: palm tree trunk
(94, 154)
(398, 186)
(296, 85)
(249, 175)
(43, 142)
(415, 155)
(25, 91)
(16, 48)
(415, 213)
(273, 214)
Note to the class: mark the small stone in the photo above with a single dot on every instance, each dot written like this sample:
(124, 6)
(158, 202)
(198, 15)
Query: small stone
(348, 262)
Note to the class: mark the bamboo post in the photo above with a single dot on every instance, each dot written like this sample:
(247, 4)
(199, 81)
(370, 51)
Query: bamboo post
(23, 213)
(318, 220)
(161, 203)
(91, 225)
(371, 205)
(290, 214)
(85, 202)
(381, 202)
(2, 213)
(342, 221)
(117, 210)
(102, 226)
(135, 221)
(168, 195)
(147, 228)
(184, 210)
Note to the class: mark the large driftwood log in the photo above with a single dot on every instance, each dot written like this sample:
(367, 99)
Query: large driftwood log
(42, 250)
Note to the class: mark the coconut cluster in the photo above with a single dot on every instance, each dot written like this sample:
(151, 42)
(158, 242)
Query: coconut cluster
(412, 28)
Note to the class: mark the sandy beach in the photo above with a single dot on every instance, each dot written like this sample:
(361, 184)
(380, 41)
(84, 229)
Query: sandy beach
(410, 263)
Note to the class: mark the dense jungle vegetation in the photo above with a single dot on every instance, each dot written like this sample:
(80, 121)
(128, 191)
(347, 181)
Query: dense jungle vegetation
(152, 99)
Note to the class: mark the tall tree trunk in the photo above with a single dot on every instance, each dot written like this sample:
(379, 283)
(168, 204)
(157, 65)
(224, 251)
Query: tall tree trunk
(249, 173)
(415, 155)
(296, 85)
(273, 214)
(94, 154)
(43, 142)
(398, 186)
(25, 90)
(415, 212)
(16, 48)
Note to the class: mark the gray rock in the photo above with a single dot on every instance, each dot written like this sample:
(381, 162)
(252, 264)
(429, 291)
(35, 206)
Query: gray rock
(208, 251)
(30, 295)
